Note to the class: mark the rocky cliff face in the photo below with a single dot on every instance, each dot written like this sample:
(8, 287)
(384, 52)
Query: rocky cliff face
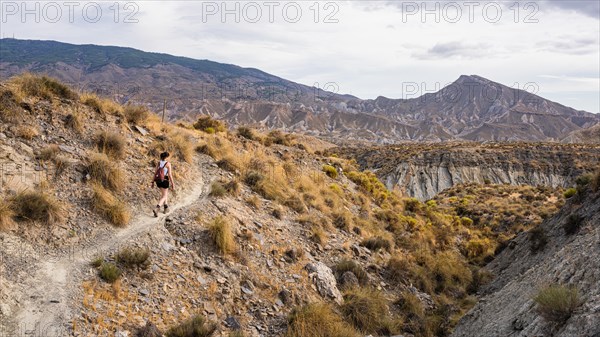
(507, 309)
(422, 171)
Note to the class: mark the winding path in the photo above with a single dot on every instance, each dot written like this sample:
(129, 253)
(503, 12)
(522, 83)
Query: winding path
(45, 312)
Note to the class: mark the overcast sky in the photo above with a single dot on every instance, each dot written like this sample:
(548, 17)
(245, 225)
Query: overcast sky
(367, 48)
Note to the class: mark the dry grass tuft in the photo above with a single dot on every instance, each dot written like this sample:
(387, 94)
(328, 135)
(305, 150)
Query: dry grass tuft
(367, 309)
(196, 326)
(27, 132)
(109, 206)
(37, 206)
(209, 125)
(136, 114)
(101, 105)
(318, 320)
(106, 172)
(556, 303)
(134, 257)
(176, 142)
(111, 144)
(222, 235)
(10, 109)
(74, 122)
(43, 87)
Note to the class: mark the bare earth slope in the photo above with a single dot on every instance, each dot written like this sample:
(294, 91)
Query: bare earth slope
(507, 308)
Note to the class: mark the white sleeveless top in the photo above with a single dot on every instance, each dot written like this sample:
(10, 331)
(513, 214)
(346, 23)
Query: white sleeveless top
(163, 164)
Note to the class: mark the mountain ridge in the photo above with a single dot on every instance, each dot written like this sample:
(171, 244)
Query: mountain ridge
(472, 108)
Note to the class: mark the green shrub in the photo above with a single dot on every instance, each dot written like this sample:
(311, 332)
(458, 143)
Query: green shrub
(209, 125)
(556, 303)
(109, 272)
(196, 326)
(134, 257)
(538, 239)
(330, 171)
(570, 192)
(573, 223)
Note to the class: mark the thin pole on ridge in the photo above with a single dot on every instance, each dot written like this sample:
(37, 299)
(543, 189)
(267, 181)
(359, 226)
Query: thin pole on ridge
(164, 108)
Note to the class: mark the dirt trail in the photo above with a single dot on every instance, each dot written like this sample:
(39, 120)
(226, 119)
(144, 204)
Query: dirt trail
(45, 312)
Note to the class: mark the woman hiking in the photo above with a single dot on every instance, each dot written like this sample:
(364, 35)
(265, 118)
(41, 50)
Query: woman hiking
(163, 177)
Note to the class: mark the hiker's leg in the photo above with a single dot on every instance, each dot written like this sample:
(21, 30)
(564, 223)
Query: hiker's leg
(163, 196)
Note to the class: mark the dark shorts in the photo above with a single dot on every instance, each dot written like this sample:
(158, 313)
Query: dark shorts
(162, 184)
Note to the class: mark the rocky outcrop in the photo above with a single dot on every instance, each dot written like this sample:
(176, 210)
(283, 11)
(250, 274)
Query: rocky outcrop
(507, 308)
(424, 170)
(325, 282)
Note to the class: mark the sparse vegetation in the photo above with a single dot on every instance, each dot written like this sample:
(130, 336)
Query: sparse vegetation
(111, 144)
(222, 235)
(74, 122)
(109, 206)
(556, 303)
(196, 326)
(9, 105)
(134, 257)
(101, 105)
(318, 320)
(177, 142)
(37, 206)
(109, 272)
(247, 133)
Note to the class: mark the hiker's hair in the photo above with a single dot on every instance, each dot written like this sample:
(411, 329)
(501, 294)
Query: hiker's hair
(164, 155)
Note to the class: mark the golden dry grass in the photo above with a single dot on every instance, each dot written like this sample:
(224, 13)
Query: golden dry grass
(6, 214)
(222, 235)
(111, 208)
(106, 172)
(43, 87)
(38, 206)
(318, 320)
(27, 132)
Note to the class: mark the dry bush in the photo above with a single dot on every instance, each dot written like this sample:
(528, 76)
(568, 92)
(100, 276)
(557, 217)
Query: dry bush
(27, 132)
(265, 186)
(367, 309)
(278, 137)
(196, 326)
(247, 133)
(538, 239)
(43, 87)
(136, 114)
(317, 320)
(105, 172)
(101, 105)
(254, 202)
(111, 144)
(572, 224)
(318, 235)
(376, 243)
(217, 189)
(37, 206)
(330, 171)
(109, 206)
(209, 125)
(343, 220)
(177, 142)
(222, 235)
(295, 203)
(6, 214)
(109, 272)
(556, 303)
(134, 257)
(49, 153)
(415, 319)
(230, 163)
(74, 122)
(596, 182)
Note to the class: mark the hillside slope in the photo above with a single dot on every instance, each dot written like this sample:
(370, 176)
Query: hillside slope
(471, 108)
(507, 307)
